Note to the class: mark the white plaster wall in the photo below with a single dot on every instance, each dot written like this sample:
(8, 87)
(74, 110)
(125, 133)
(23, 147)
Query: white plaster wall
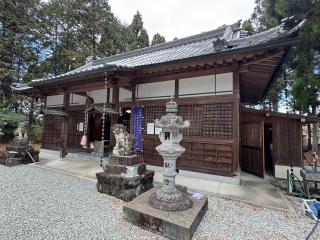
(155, 90)
(124, 95)
(196, 85)
(99, 95)
(55, 100)
(205, 85)
(224, 82)
(77, 99)
(281, 171)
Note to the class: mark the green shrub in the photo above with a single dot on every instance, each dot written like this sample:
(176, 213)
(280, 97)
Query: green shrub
(35, 133)
(8, 133)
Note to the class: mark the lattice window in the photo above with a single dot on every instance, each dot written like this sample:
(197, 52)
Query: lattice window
(206, 119)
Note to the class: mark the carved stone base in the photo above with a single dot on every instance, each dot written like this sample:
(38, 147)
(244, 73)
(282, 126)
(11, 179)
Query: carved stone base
(124, 160)
(170, 202)
(124, 188)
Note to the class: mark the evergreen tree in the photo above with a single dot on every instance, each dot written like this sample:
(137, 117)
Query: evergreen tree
(20, 47)
(139, 35)
(157, 39)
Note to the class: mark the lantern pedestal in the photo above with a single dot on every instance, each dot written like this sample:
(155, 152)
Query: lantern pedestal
(174, 225)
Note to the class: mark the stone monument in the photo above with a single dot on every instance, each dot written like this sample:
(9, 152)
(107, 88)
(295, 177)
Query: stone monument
(124, 177)
(170, 210)
(19, 151)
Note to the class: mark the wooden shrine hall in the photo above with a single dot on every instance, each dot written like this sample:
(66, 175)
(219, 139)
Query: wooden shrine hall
(210, 75)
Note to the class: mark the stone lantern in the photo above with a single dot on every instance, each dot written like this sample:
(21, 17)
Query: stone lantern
(169, 198)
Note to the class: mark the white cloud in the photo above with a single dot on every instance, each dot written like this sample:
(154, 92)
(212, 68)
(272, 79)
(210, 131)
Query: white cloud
(181, 18)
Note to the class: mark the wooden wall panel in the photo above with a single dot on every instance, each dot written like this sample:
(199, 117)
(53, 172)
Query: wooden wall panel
(51, 137)
(287, 141)
(286, 137)
(205, 155)
(214, 120)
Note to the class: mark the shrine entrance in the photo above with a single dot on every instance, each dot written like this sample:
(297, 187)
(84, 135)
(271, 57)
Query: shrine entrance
(95, 129)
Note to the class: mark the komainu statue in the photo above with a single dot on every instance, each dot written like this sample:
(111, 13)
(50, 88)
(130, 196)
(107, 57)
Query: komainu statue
(125, 142)
(125, 176)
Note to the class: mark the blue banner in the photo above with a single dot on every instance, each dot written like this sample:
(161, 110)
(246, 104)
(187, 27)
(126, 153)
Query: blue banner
(137, 127)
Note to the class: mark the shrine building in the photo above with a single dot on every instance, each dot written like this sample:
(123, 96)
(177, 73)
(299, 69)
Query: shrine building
(212, 76)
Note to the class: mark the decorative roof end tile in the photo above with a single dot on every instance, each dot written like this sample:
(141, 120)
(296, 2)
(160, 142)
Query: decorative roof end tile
(219, 44)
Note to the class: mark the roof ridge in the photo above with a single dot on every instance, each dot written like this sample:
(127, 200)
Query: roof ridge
(174, 43)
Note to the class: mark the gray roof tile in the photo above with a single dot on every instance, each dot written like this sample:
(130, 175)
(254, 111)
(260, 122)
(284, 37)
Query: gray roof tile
(193, 46)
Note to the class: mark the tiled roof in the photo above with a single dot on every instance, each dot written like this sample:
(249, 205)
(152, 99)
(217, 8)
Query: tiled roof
(231, 37)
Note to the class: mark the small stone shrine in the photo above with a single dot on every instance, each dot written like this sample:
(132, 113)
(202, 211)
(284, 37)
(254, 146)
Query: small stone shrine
(19, 151)
(170, 210)
(125, 177)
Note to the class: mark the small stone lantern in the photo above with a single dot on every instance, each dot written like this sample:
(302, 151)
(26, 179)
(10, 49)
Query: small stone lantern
(169, 198)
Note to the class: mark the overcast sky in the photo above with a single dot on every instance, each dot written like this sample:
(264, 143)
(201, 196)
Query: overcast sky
(181, 18)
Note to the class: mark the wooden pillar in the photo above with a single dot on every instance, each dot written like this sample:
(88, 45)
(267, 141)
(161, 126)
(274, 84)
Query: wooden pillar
(45, 101)
(236, 118)
(133, 95)
(115, 97)
(114, 117)
(65, 125)
(108, 95)
(176, 88)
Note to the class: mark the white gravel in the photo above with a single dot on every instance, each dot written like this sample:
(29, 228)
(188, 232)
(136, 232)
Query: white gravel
(36, 203)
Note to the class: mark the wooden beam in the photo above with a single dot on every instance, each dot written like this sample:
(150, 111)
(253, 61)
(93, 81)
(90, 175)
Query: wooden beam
(263, 57)
(65, 126)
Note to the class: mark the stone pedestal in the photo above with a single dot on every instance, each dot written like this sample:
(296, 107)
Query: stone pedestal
(124, 177)
(174, 225)
(17, 153)
(124, 188)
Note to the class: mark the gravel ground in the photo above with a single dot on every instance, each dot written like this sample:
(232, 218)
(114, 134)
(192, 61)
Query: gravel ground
(37, 203)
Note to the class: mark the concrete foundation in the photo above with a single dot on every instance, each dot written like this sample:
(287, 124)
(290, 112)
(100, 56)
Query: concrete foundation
(174, 225)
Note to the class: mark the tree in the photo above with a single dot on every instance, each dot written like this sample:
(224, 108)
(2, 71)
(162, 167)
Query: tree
(247, 25)
(19, 45)
(139, 33)
(157, 39)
